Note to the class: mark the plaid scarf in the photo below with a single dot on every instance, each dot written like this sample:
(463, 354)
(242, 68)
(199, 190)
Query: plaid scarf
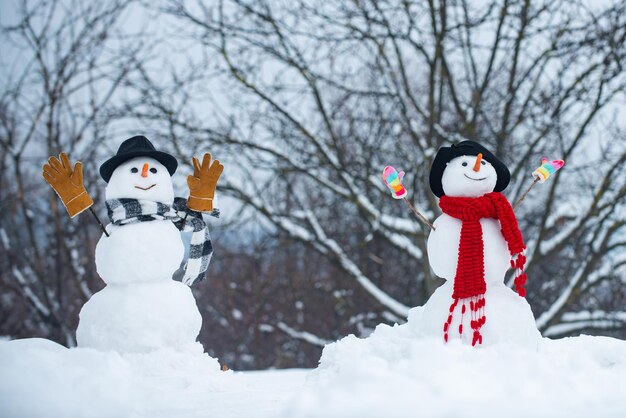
(132, 211)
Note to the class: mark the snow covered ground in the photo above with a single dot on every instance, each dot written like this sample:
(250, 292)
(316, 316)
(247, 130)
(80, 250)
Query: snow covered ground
(394, 373)
(397, 372)
(42, 379)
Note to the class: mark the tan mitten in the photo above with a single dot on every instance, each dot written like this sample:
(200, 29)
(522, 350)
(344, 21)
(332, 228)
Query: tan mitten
(67, 183)
(202, 183)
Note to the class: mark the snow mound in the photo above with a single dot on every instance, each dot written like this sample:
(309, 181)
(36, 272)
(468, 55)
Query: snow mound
(39, 378)
(42, 378)
(398, 372)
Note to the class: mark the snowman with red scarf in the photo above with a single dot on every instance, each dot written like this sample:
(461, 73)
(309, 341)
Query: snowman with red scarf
(472, 245)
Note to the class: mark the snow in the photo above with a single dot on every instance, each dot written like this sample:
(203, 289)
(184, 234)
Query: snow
(382, 297)
(142, 252)
(549, 313)
(451, 137)
(139, 317)
(4, 238)
(302, 335)
(236, 313)
(325, 244)
(574, 321)
(593, 315)
(405, 225)
(399, 372)
(41, 378)
(265, 328)
(32, 297)
(404, 242)
(396, 372)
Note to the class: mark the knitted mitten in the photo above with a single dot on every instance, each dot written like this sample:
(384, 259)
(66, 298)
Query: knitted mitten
(393, 180)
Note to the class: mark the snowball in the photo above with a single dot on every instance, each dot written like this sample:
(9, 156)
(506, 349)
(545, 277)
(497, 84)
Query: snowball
(443, 249)
(462, 181)
(125, 183)
(142, 252)
(509, 318)
(139, 317)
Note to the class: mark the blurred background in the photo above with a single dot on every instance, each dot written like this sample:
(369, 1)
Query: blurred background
(305, 102)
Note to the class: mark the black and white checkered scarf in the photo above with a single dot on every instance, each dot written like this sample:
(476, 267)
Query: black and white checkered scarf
(131, 211)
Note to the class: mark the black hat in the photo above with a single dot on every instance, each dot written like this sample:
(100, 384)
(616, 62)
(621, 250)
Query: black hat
(447, 154)
(137, 146)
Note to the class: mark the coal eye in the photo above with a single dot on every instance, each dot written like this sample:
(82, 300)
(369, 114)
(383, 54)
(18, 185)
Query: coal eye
(134, 170)
(483, 163)
(153, 170)
(464, 164)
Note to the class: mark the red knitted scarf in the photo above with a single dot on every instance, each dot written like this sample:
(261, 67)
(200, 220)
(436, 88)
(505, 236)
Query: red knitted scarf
(469, 281)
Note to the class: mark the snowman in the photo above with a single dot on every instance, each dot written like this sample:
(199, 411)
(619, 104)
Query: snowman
(141, 308)
(472, 245)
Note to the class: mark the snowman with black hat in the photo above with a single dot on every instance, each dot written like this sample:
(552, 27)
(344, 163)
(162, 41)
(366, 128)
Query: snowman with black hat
(472, 245)
(475, 241)
(142, 308)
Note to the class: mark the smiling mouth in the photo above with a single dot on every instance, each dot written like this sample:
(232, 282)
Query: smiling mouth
(474, 178)
(145, 188)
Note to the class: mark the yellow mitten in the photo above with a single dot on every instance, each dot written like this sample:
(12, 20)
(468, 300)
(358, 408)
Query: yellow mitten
(202, 183)
(67, 183)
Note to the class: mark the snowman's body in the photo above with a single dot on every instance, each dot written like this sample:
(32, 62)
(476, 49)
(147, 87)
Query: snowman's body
(443, 249)
(509, 317)
(141, 252)
(141, 308)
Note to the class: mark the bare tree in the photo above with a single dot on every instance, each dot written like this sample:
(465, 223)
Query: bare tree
(306, 102)
(58, 85)
(312, 99)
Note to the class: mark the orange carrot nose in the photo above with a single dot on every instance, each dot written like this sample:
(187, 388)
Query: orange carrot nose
(144, 170)
(479, 158)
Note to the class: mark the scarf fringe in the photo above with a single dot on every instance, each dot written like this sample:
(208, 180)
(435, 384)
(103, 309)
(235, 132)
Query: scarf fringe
(518, 262)
(477, 317)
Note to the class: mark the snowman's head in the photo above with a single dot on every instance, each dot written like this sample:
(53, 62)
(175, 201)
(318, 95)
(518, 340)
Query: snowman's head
(141, 178)
(467, 169)
(469, 176)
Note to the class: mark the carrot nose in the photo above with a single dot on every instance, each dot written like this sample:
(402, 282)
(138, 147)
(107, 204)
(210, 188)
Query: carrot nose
(144, 170)
(479, 158)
